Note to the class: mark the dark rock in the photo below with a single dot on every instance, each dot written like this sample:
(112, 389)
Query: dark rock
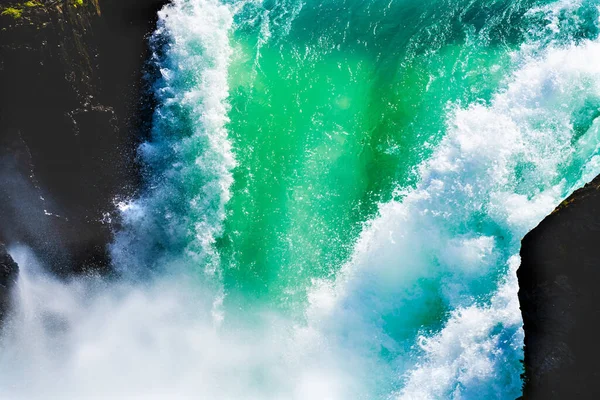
(71, 119)
(8, 277)
(559, 278)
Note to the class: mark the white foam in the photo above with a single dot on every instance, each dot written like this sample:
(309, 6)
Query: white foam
(189, 154)
(468, 358)
(89, 339)
(449, 245)
(500, 169)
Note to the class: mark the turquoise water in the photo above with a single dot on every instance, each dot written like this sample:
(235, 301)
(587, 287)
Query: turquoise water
(335, 197)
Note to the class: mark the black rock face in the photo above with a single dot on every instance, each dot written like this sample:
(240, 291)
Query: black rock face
(71, 118)
(559, 281)
(8, 277)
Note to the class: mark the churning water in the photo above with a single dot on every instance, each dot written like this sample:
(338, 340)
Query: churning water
(335, 195)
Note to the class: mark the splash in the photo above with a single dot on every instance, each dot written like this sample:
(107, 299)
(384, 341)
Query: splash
(363, 241)
(189, 157)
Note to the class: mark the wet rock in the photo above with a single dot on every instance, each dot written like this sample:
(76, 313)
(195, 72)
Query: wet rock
(8, 277)
(559, 279)
(73, 109)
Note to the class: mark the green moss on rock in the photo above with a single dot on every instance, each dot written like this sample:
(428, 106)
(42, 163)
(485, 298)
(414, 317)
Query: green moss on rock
(14, 12)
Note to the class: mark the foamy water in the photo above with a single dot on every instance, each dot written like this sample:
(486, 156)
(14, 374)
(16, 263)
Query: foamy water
(419, 303)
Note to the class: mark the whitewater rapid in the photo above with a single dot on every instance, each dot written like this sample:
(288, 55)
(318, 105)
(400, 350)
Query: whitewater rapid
(425, 305)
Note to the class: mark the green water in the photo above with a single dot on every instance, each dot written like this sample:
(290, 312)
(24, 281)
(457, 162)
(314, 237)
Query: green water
(347, 183)
(334, 200)
(330, 113)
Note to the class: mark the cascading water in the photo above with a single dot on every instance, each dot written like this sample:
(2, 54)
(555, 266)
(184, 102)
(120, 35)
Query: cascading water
(335, 196)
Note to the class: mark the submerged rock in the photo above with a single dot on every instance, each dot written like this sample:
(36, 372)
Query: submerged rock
(71, 118)
(8, 276)
(560, 300)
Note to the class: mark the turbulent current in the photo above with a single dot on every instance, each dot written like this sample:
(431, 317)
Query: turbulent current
(335, 194)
